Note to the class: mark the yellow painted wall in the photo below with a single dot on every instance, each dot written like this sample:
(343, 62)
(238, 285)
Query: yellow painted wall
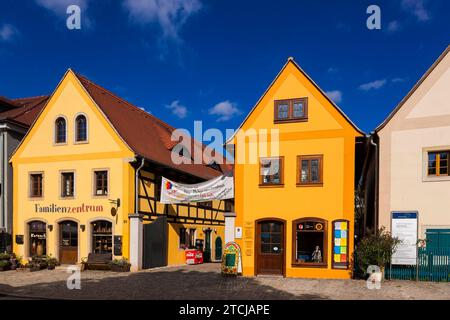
(38, 153)
(326, 132)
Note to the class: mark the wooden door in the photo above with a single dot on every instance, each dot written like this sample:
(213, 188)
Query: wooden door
(270, 251)
(68, 242)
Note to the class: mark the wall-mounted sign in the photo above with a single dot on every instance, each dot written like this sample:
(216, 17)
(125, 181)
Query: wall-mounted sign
(404, 226)
(219, 188)
(117, 245)
(238, 233)
(19, 238)
(340, 244)
(54, 208)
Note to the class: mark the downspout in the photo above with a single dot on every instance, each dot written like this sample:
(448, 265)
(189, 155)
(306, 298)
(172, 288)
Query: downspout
(136, 187)
(2, 182)
(376, 206)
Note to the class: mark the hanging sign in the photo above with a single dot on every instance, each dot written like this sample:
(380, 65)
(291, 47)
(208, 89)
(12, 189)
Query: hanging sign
(219, 188)
(231, 259)
(404, 227)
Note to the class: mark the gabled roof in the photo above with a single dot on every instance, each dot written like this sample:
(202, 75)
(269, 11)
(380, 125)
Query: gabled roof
(416, 86)
(291, 60)
(24, 110)
(148, 136)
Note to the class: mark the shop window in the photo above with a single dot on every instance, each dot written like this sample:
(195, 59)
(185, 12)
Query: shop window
(310, 242)
(184, 244)
(36, 185)
(38, 238)
(310, 170)
(438, 163)
(340, 254)
(81, 129)
(101, 183)
(271, 171)
(60, 130)
(102, 236)
(67, 184)
(291, 110)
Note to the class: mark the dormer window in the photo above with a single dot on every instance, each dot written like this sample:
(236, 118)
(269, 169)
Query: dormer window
(81, 129)
(60, 130)
(291, 110)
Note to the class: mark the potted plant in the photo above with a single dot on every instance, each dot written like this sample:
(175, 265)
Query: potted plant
(16, 261)
(52, 262)
(376, 250)
(4, 265)
(120, 265)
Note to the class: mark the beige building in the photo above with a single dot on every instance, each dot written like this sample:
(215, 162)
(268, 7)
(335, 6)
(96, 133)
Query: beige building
(414, 153)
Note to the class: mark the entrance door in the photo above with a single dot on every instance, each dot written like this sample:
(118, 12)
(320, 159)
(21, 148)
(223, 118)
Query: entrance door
(218, 250)
(155, 243)
(207, 251)
(270, 248)
(68, 242)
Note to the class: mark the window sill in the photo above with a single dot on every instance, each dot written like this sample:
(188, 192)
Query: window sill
(310, 185)
(436, 178)
(37, 198)
(279, 185)
(57, 144)
(67, 197)
(309, 265)
(80, 142)
(278, 121)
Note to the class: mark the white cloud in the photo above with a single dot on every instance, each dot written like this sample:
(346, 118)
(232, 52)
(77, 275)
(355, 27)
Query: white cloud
(8, 32)
(59, 7)
(170, 15)
(225, 110)
(335, 95)
(393, 26)
(398, 80)
(177, 109)
(417, 8)
(377, 84)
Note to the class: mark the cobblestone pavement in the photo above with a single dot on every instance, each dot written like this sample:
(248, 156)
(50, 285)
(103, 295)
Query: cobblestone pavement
(204, 282)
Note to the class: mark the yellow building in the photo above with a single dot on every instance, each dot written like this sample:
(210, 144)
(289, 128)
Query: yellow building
(295, 209)
(75, 176)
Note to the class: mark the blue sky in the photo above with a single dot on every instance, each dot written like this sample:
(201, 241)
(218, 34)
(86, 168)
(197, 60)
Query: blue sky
(212, 60)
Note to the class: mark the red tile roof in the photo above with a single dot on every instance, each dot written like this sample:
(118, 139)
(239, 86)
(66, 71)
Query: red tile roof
(25, 110)
(148, 136)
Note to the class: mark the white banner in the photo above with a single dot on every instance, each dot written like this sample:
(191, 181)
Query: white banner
(404, 227)
(219, 188)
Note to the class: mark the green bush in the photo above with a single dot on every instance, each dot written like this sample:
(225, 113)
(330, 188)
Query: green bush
(375, 249)
(5, 256)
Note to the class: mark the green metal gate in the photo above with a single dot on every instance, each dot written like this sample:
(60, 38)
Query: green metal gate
(433, 261)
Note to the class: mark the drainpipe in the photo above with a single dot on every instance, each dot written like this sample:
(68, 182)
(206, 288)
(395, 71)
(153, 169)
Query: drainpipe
(136, 228)
(2, 183)
(136, 187)
(376, 206)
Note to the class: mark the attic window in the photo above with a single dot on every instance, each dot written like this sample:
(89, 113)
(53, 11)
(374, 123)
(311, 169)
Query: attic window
(291, 110)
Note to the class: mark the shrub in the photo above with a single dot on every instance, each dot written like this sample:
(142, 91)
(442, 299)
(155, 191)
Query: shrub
(375, 249)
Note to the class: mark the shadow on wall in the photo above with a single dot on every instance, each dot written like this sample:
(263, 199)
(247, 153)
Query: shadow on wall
(159, 285)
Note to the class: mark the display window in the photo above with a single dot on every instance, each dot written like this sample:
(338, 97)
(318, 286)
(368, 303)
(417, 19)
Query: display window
(310, 242)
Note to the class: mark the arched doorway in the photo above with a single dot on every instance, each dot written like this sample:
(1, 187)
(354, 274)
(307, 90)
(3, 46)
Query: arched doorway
(38, 238)
(68, 242)
(218, 249)
(270, 247)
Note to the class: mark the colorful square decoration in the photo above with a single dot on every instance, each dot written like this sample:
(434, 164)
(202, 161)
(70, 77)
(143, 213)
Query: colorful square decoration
(340, 244)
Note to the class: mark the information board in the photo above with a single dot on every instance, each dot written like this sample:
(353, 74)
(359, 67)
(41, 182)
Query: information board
(404, 227)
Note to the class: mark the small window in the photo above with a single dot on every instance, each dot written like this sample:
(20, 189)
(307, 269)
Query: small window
(291, 110)
(60, 130)
(310, 242)
(438, 163)
(206, 204)
(183, 239)
(81, 129)
(36, 185)
(101, 183)
(67, 184)
(271, 171)
(310, 170)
